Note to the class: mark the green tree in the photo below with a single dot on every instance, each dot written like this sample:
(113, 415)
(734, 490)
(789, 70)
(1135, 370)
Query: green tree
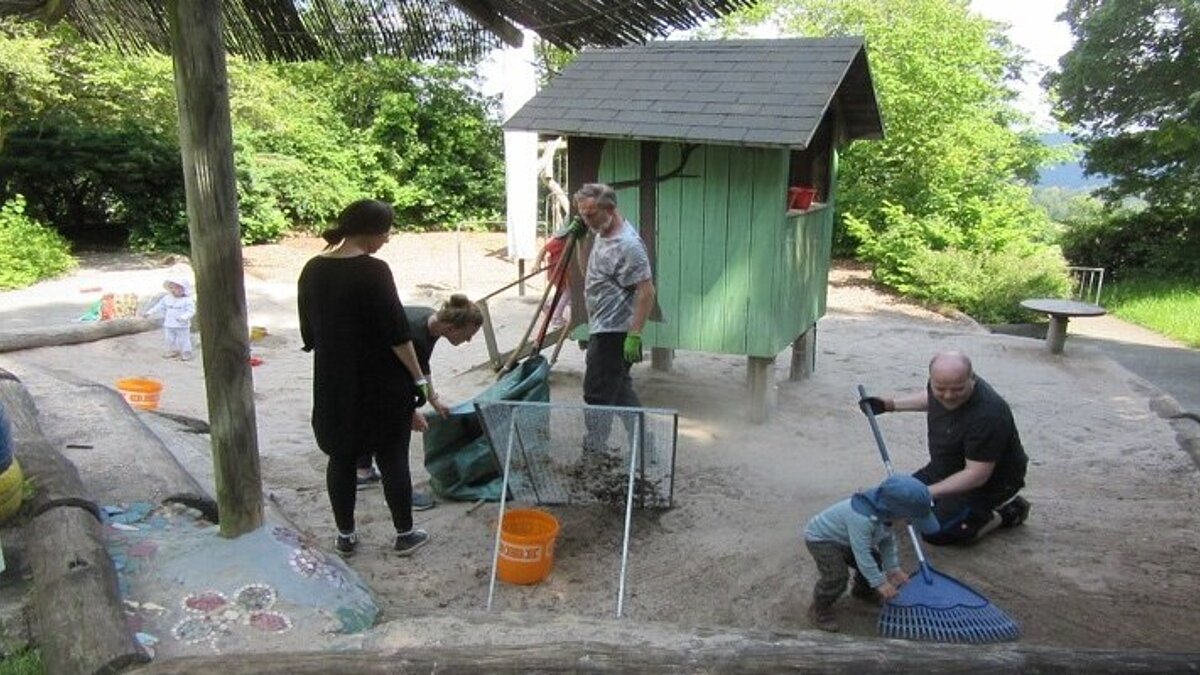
(1129, 86)
(951, 177)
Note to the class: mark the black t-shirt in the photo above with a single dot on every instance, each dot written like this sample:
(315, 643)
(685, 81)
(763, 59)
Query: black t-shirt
(981, 429)
(350, 318)
(423, 341)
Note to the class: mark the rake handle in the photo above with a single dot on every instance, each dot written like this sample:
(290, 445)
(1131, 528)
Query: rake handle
(887, 464)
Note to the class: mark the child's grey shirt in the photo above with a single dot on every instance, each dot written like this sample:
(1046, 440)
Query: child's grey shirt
(841, 524)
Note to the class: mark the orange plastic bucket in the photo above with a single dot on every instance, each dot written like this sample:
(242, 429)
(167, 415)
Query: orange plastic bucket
(140, 392)
(526, 546)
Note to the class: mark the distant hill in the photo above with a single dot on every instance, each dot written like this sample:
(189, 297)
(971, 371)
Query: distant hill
(1069, 175)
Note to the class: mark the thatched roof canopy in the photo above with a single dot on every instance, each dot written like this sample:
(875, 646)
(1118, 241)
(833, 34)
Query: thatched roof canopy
(456, 30)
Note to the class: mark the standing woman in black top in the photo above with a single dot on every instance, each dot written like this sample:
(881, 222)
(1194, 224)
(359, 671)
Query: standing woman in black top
(366, 378)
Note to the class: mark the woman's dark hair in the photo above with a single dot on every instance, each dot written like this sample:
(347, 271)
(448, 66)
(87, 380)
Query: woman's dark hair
(459, 312)
(365, 216)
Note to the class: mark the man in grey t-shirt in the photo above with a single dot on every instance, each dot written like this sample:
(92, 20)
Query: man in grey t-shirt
(619, 290)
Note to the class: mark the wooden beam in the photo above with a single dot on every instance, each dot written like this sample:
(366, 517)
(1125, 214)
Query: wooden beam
(486, 14)
(828, 654)
(206, 144)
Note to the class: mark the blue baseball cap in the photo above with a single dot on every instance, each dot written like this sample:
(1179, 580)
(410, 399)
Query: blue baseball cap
(899, 497)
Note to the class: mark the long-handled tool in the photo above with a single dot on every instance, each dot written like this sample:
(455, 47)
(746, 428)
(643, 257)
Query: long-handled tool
(933, 606)
(558, 273)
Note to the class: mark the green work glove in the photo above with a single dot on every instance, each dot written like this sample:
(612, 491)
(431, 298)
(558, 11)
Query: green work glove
(633, 347)
(577, 228)
(424, 391)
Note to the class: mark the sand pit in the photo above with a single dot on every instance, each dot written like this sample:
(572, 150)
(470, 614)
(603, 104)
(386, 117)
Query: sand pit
(1107, 558)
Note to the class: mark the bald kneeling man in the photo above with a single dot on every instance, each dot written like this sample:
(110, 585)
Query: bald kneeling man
(976, 461)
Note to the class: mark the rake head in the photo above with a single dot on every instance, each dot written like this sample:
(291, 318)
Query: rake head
(937, 608)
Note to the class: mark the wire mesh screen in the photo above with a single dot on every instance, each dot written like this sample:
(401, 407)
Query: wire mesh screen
(579, 454)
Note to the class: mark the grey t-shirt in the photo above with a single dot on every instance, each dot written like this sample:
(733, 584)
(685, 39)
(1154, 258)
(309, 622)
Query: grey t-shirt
(616, 266)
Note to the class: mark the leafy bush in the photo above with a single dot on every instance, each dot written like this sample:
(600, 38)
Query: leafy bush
(29, 251)
(1132, 239)
(985, 272)
(97, 184)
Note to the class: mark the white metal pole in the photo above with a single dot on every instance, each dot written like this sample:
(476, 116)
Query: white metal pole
(633, 458)
(512, 435)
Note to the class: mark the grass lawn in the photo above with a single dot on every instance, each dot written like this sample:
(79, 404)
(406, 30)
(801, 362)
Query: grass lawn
(28, 662)
(1170, 307)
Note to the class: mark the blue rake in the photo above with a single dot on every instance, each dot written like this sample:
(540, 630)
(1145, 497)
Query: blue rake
(935, 607)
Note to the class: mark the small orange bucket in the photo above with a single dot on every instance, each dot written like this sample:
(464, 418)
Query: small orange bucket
(526, 546)
(140, 392)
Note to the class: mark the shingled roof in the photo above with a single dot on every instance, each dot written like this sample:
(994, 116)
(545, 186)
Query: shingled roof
(727, 92)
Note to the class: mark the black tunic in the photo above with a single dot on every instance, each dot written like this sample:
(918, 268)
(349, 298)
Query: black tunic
(350, 318)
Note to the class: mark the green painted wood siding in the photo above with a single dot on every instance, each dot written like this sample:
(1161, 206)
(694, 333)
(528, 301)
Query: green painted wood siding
(735, 274)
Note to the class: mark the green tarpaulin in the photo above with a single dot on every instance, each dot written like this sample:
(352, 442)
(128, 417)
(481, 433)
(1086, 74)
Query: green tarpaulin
(458, 457)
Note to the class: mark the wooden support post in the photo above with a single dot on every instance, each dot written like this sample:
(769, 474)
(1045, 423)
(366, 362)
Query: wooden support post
(662, 358)
(760, 375)
(804, 355)
(489, 335)
(206, 145)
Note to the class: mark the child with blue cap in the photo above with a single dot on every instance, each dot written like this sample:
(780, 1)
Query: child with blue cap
(857, 532)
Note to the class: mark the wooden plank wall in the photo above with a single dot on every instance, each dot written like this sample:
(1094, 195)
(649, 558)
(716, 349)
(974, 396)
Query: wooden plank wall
(735, 274)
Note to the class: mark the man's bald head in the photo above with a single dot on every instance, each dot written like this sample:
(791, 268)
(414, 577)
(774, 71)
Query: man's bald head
(951, 378)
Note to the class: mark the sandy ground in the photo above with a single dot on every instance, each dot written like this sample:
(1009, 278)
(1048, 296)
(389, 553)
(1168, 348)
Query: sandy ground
(1108, 558)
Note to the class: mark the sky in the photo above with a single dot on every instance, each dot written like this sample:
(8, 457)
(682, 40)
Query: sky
(1034, 27)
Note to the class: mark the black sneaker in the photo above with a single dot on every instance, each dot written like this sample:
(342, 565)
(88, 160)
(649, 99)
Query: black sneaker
(422, 501)
(411, 541)
(1014, 512)
(345, 544)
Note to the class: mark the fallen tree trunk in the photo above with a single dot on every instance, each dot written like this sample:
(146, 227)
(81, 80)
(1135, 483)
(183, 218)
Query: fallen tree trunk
(56, 336)
(816, 654)
(55, 480)
(115, 449)
(79, 619)
(77, 608)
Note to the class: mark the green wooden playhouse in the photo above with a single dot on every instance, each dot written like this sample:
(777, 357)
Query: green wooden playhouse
(703, 141)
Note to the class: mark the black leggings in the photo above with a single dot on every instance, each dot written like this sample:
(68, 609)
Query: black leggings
(341, 480)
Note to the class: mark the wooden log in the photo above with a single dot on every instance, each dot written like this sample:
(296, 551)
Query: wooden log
(55, 480)
(120, 449)
(818, 654)
(79, 618)
(57, 336)
(206, 144)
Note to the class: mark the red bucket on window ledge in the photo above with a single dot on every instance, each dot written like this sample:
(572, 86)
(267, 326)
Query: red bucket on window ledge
(801, 198)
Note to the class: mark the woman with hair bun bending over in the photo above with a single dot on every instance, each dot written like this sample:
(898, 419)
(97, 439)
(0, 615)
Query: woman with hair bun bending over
(458, 321)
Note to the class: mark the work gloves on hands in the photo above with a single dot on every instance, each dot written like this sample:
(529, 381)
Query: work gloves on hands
(424, 391)
(874, 404)
(633, 347)
(576, 228)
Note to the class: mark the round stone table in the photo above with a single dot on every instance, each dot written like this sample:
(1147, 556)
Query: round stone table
(1060, 312)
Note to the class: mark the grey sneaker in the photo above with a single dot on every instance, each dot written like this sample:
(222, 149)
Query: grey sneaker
(410, 541)
(346, 543)
(422, 501)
